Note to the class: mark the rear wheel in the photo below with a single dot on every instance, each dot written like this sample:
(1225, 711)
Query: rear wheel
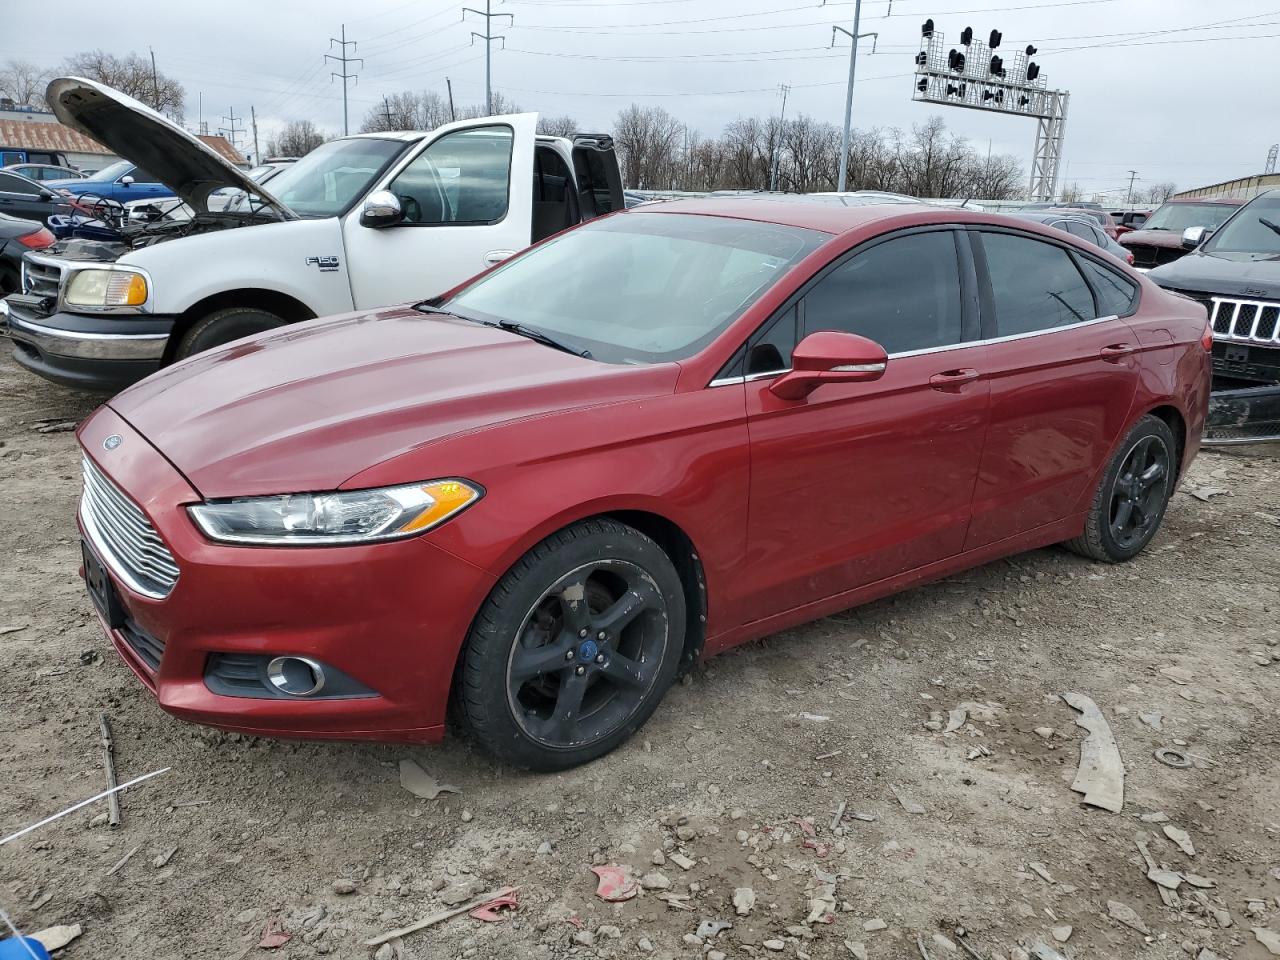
(223, 326)
(1130, 502)
(574, 648)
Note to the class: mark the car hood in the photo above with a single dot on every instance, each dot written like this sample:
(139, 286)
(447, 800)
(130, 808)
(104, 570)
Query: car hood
(1165, 239)
(134, 131)
(1228, 274)
(309, 406)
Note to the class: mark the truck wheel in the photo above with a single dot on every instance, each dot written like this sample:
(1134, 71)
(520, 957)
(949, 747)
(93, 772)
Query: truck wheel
(223, 326)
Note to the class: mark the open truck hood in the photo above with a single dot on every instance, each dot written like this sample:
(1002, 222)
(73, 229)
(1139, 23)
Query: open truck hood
(140, 135)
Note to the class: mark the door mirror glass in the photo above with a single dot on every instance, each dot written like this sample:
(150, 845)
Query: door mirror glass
(830, 357)
(1192, 237)
(126, 180)
(381, 209)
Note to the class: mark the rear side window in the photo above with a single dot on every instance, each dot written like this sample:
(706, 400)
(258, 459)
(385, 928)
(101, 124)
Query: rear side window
(11, 184)
(903, 293)
(1077, 229)
(1116, 294)
(1034, 285)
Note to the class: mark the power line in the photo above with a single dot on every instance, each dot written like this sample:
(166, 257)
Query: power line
(344, 60)
(232, 132)
(488, 37)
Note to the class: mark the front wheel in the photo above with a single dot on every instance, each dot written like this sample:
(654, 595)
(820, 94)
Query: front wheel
(574, 648)
(223, 326)
(1130, 502)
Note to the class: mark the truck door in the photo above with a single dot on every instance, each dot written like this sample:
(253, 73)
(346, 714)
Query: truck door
(595, 165)
(466, 199)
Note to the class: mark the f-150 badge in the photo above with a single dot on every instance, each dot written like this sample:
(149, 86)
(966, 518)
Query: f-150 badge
(326, 264)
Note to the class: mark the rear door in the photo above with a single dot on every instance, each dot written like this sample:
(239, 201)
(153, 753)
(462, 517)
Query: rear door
(595, 167)
(467, 197)
(1063, 372)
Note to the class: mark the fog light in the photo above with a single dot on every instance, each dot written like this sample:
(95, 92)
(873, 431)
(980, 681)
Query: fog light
(296, 676)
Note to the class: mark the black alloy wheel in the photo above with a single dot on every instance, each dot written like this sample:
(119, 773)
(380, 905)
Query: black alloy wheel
(1138, 494)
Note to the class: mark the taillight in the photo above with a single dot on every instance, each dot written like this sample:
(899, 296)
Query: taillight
(1128, 258)
(1206, 340)
(38, 240)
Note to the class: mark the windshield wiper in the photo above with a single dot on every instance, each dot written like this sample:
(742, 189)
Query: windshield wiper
(538, 336)
(1274, 227)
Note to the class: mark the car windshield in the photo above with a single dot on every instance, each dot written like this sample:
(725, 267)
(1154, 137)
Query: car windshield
(1255, 230)
(1179, 216)
(329, 179)
(639, 287)
(107, 174)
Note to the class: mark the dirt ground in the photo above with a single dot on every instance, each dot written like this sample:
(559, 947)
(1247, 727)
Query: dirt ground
(753, 753)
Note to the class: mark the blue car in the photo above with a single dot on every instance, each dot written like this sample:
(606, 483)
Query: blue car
(122, 181)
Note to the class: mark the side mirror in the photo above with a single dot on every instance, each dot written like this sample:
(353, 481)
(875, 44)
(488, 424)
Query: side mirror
(126, 181)
(45, 196)
(381, 209)
(830, 357)
(1192, 237)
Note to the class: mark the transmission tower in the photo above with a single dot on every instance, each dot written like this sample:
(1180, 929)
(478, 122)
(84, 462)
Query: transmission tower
(488, 37)
(1271, 159)
(344, 76)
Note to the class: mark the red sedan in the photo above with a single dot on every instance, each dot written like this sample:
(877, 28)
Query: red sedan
(648, 439)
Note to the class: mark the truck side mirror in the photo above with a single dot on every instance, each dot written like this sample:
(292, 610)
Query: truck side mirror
(381, 209)
(1192, 237)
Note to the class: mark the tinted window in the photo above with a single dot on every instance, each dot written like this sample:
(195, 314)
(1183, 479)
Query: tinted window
(461, 178)
(771, 349)
(1034, 285)
(11, 184)
(1116, 294)
(142, 176)
(903, 293)
(1077, 229)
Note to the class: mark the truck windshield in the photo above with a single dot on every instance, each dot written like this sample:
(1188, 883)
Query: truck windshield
(329, 179)
(108, 174)
(1179, 216)
(1255, 230)
(638, 287)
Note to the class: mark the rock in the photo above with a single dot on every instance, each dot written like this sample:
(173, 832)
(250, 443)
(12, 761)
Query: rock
(908, 804)
(744, 898)
(644, 945)
(467, 816)
(686, 833)
(777, 946)
(717, 955)
(1044, 733)
(943, 943)
(1206, 954)
(655, 881)
(461, 892)
(1063, 933)
(742, 836)
(658, 858)
(857, 948)
(1182, 839)
(1169, 879)
(1178, 675)
(544, 848)
(1156, 817)
(692, 939)
(385, 952)
(1041, 871)
(1127, 916)
(99, 821)
(55, 938)
(871, 926)
(1153, 720)
(584, 938)
(683, 862)
(608, 931)
(422, 784)
(344, 887)
(1268, 938)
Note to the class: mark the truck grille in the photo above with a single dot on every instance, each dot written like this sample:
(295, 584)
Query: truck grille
(40, 279)
(1147, 257)
(124, 536)
(1255, 321)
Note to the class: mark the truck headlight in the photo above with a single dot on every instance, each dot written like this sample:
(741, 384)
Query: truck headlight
(347, 516)
(106, 288)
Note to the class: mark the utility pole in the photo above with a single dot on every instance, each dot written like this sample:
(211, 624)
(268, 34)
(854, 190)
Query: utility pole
(854, 36)
(488, 37)
(200, 127)
(257, 157)
(386, 111)
(232, 130)
(449, 86)
(784, 89)
(343, 43)
(1128, 199)
(155, 81)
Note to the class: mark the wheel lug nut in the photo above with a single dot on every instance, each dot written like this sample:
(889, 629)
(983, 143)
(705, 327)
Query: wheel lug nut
(568, 654)
(583, 632)
(580, 671)
(602, 635)
(599, 658)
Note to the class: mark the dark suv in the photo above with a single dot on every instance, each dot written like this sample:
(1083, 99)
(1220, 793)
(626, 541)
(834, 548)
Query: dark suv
(1235, 272)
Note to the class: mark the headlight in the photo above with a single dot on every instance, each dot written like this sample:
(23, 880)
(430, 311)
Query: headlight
(106, 288)
(348, 516)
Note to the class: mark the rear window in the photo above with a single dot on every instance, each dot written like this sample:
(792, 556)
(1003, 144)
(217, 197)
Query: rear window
(1116, 294)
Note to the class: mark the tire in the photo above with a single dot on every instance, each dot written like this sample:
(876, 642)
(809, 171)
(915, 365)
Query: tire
(223, 326)
(536, 649)
(1142, 473)
(9, 281)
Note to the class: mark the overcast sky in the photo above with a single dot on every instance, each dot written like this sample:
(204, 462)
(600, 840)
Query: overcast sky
(1175, 89)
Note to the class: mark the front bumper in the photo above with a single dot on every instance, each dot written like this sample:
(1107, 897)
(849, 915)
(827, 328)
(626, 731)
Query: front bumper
(105, 353)
(391, 616)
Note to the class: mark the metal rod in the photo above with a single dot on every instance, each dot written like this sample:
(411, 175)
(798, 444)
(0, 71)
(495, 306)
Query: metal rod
(83, 803)
(109, 764)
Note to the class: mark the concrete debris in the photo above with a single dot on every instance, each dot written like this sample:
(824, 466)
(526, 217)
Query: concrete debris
(1268, 938)
(777, 946)
(871, 926)
(1100, 776)
(655, 881)
(164, 857)
(1153, 720)
(55, 938)
(683, 862)
(1127, 916)
(1168, 879)
(1044, 733)
(1062, 933)
(815, 717)
(908, 804)
(744, 898)
(712, 928)
(422, 784)
(1205, 494)
(1156, 817)
(857, 949)
(460, 892)
(955, 720)
(1041, 871)
(1041, 952)
(1179, 675)
(945, 944)
(544, 848)
(1182, 839)
(344, 888)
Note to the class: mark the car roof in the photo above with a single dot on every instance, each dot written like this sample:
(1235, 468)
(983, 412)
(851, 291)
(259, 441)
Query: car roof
(1227, 200)
(809, 212)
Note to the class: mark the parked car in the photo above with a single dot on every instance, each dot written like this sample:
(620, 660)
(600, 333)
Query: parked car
(661, 434)
(1159, 241)
(1126, 220)
(17, 236)
(12, 155)
(359, 222)
(20, 197)
(122, 182)
(45, 171)
(1235, 273)
(1074, 223)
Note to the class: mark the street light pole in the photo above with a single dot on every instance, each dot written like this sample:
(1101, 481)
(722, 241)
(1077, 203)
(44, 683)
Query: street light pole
(854, 37)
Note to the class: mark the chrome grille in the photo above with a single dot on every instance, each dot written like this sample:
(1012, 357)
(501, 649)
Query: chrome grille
(123, 536)
(1252, 321)
(39, 278)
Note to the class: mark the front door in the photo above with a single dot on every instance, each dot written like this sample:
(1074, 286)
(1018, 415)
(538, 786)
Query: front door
(859, 482)
(20, 197)
(467, 198)
(1063, 378)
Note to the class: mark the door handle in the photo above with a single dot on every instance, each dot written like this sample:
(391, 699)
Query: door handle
(497, 256)
(953, 380)
(1115, 352)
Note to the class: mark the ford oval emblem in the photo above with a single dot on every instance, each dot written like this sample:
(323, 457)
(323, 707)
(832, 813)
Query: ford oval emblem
(112, 442)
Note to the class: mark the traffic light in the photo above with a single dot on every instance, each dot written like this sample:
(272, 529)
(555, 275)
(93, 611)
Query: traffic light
(923, 85)
(966, 36)
(997, 67)
(955, 91)
(955, 60)
(921, 58)
(1023, 101)
(1031, 51)
(1033, 71)
(995, 39)
(996, 95)
(926, 28)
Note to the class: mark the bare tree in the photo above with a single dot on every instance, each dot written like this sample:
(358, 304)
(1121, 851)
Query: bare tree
(561, 126)
(399, 111)
(647, 139)
(1071, 193)
(296, 139)
(1158, 193)
(131, 75)
(23, 82)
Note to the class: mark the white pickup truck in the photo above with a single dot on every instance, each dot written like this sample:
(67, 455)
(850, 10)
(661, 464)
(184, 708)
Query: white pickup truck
(362, 221)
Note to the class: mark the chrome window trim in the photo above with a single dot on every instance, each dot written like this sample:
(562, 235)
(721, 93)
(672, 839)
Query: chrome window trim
(946, 348)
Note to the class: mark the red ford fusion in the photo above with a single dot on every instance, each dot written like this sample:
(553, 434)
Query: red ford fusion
(539, 497)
